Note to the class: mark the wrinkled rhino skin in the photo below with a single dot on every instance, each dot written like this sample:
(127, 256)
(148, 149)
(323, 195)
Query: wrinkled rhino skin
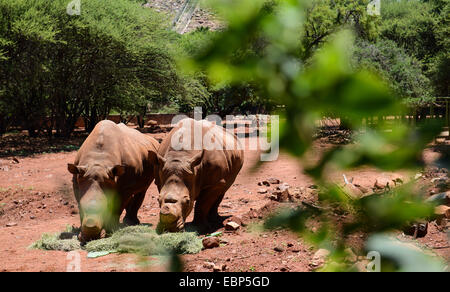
(201, 176)
(113, 160)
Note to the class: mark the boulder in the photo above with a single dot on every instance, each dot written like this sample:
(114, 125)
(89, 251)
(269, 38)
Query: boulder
(232, 226)
(211, 242)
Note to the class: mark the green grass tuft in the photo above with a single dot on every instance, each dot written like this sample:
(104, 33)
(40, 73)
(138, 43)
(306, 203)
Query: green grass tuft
(134, 239)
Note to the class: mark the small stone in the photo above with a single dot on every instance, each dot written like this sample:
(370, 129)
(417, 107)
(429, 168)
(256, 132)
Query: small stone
(32, 217)
(232, 226)
(262, 191)
(211, 242)
(442, 211)
(441, 199)
(219, 268)
(278, 249)
(11, 224)
(351, 256)
(319, 257)
(273, 181)
(265, 183)
(282, 194)
(208, 265)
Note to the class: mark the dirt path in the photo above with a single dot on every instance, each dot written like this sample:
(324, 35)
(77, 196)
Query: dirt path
(36, 197)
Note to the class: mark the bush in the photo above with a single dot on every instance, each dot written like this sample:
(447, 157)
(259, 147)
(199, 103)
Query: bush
(400, 71)
(56, 67)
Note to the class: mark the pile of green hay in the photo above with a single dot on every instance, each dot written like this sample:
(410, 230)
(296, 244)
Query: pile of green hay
(54, 241)
(133, 239)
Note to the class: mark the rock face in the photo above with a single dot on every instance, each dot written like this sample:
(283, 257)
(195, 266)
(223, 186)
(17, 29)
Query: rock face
(201, 17)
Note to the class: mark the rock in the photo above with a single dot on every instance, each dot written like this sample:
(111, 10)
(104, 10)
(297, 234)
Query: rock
(232, 226)
(442, 211)
(262, 191)
(295, 193)
(219, 268)
(417, 176)
(235, 219)
(381, 185)
(15, 160)
(440, 199)
(265, 183)
(361, 188)
(273, 181)
(352, 191)
(282, 194)
(211, 242)
(319, 258)
(351, 256)
(397, 181)
(208, 265)
(32, 217)
(278, 249)
(11, 224)
(417, 229)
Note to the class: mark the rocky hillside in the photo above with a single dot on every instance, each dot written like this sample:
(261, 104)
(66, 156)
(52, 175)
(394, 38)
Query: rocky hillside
(201, 17)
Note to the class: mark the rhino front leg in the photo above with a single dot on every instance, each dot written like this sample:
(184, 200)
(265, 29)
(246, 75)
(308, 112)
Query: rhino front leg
(213, 215)
(207, 203)
(132, 209)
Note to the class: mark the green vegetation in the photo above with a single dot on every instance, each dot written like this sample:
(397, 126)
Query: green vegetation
(329, 82)
(56, 68)
(141, 240)
(120, 57)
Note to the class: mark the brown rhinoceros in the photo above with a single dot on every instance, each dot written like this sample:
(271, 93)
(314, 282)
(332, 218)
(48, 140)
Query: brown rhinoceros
(111, 172)
(195, 166)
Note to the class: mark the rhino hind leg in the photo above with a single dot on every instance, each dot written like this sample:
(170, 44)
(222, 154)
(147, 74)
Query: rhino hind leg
(133, 208)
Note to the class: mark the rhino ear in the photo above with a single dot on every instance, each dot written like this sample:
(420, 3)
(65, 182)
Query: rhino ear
(197, 159)
(155, 158)
(117, 170)
(74, 169)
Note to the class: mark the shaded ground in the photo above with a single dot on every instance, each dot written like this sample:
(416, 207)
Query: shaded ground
(36, 197)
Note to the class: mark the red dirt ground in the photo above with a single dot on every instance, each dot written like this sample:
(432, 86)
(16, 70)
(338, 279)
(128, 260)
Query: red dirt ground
(36, 197)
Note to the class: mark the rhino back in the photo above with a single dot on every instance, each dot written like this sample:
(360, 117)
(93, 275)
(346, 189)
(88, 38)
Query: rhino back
(110, 144)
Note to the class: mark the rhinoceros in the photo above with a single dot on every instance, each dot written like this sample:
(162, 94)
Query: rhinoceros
(195, 168)
(111, 172)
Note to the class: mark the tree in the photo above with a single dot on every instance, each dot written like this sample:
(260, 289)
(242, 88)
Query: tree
(421, 28)
(325, 17)
(56, 67)
(399, 70)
